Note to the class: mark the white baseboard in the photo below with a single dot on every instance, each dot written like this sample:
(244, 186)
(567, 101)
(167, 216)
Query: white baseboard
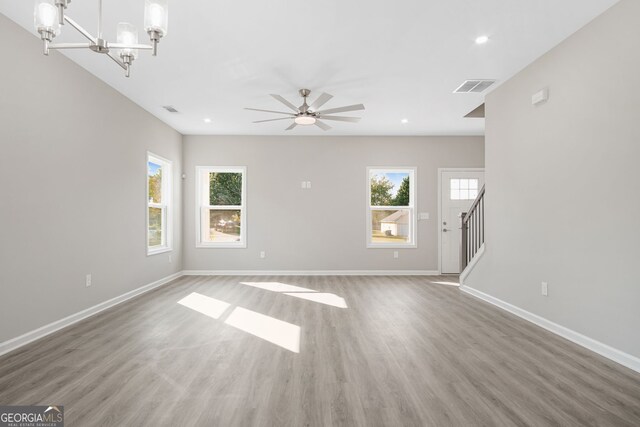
(24, 339)
(602, 349)
(310, 273)
(471, 265)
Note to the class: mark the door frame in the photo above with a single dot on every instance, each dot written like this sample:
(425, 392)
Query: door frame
(440, 172)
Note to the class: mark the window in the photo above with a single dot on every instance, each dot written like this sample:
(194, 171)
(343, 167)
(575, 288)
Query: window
(221, 210)
(391, 219)
(159, 204)
(463, 189)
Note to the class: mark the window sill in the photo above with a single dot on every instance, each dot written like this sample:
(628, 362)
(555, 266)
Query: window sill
(221, 246)
(392, 246)
(158, 251)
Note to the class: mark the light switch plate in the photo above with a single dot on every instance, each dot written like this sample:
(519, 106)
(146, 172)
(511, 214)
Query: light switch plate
(545, 289)
(424, 215)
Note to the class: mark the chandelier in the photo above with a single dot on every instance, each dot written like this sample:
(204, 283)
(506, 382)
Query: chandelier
(49, 15)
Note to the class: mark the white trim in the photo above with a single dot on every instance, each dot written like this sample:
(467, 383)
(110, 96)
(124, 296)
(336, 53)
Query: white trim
(310, 273)
(242, 244)
(413, 196)
(471, 265)
(167, 185)
(602, 349)
(440, 172)
(43, 331)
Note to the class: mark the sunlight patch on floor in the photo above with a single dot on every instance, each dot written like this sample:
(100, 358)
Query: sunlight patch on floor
(447, 283)
(206, 305)
(277, 287)
(299, 292)
(278, 332)
(321, 297)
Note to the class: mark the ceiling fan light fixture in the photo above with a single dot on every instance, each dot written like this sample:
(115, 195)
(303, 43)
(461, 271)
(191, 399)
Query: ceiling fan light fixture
(305, 120)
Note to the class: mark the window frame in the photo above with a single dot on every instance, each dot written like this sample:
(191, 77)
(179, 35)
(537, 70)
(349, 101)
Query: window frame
(166, 205)
(413, 220)
(200, 188)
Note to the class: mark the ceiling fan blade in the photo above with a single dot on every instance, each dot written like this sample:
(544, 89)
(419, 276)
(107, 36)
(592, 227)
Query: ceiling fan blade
(272, 120)
(294, 124)
(269, 111)
(322, 99)
(285, 102)
(341, 119)
(342, 109)
(322, 126)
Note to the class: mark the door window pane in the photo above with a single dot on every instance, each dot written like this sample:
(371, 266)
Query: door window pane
(464, 189)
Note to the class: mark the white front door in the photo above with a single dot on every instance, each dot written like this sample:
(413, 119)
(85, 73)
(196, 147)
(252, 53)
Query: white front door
(459, 190)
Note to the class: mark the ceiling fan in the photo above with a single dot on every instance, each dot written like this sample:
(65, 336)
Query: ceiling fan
(306, 115)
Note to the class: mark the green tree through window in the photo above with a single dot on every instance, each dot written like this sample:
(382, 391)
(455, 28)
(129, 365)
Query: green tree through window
(381, 191)
(225, 189)
(402, 196)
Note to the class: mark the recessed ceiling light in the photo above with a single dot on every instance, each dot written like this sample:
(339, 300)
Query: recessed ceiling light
(404, 121)
(207, 120)
(482, 40)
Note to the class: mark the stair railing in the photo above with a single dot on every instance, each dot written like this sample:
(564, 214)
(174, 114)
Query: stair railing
(472, 230)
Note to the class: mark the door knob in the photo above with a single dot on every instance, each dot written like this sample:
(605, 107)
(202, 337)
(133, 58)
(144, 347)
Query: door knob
(445, 230)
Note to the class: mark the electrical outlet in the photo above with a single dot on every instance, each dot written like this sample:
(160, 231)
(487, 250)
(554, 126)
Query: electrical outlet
(170, 259)
(88, 280)
(263, 254)
(396, 254)
(545, 289)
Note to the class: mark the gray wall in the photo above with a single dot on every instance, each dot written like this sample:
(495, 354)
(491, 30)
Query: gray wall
(563, 184)
(322, 228)
(72, 187)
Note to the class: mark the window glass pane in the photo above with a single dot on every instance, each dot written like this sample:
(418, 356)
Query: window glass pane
(225, 188)
(473, 184)
(464, 184)
(390, 188)
(455, 184)
(155, 182)
(455, 194)
(473, 194)
(390, 226)
(464, 194)
(224, 226)
(155, 226)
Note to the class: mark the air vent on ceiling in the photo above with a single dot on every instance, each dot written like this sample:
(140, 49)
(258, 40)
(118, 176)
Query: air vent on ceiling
(170, 108)
(474, 86)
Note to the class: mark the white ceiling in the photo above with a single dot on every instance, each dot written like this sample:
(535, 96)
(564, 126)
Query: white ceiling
(401, 58)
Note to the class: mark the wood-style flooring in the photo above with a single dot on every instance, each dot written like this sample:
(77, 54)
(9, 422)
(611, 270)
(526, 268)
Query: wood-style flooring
(405, 351)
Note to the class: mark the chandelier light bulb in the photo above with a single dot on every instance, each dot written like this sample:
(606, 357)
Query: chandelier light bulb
(128, 35)
(45, 17)
(156, 16)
